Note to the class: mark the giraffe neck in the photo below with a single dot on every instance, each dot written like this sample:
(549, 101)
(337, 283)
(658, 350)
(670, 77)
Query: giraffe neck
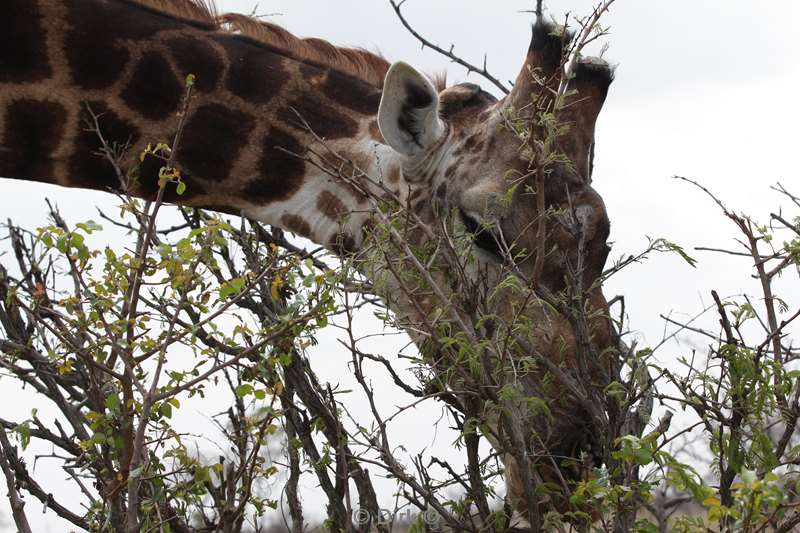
(245, 142)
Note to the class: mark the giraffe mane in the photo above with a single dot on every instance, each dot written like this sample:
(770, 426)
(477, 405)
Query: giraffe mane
(198, 11)
(356, 62)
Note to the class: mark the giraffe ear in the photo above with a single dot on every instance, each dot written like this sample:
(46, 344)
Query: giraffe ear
(409, 112)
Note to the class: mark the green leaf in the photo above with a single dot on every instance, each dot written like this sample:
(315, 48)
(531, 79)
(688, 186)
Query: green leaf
(243, 390)
(61, 243)
(201, 474)
(24, 433)
(181, 187)
(672, 247)
(643, 456)
(645, 526)
(231, 287)
(500, 521)
(89, 226)
(113, 403)
(164, 250)
(165, 409)
(748, 476)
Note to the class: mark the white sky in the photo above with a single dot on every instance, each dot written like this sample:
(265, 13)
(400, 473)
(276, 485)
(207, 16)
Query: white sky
(705, 88)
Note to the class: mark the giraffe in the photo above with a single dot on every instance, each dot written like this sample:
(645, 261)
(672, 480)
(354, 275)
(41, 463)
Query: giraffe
(262, 97)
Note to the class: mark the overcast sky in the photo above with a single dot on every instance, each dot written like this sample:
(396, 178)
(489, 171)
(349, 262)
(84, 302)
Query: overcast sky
(704, 89)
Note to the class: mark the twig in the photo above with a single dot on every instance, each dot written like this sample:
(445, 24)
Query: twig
(17, 504)
(482, 71)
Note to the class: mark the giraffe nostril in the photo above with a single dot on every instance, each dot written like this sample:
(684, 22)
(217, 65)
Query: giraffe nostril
(485, 239)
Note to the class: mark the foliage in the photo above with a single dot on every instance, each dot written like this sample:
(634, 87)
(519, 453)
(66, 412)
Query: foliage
(744, 391)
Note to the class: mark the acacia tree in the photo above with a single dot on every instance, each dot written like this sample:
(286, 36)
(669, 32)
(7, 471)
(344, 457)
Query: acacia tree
(744, 391)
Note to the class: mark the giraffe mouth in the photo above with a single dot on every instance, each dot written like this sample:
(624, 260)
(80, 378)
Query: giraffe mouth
(484, 237)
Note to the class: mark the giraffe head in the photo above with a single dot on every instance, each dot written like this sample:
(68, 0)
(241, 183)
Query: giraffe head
(481, 155)
(517, 172)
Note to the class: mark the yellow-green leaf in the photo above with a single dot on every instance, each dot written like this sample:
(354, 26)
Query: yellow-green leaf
(712, 502)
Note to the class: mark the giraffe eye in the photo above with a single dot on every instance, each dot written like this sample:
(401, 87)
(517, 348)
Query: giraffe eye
(485, 239)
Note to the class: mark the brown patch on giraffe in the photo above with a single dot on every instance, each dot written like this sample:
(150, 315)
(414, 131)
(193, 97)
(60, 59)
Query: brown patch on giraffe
(281, 172)
(23, 50)
(95, 57)
(254, 74)
(331, 206)
(86, 167)
(451, 170)
(323, 119)
(296, 224)
(344, 244)
(352, 93)
(441, 191)
(95, 43)
(153, 91)
(375, 132)
(459, 105)
(470, 145)
(394, 175)
(33, 129)
(474, 160)
(461, 97)
(212, 139)
(197, 57)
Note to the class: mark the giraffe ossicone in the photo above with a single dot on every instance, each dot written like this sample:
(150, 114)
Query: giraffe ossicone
(263, 97)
